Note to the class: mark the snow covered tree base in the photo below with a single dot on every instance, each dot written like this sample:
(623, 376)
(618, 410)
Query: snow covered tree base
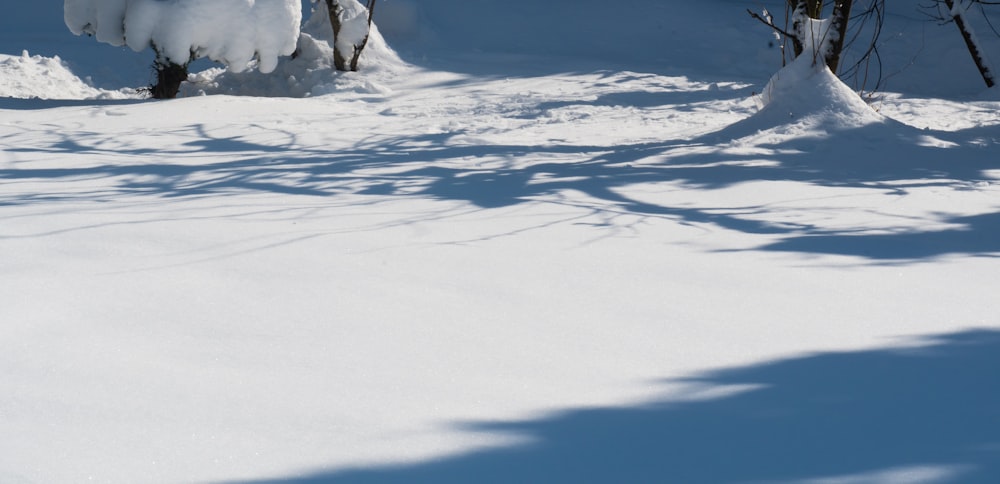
(351, 23)
(169, 77)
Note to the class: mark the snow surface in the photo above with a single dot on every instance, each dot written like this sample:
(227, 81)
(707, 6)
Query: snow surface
(27, 76)
(551, 259)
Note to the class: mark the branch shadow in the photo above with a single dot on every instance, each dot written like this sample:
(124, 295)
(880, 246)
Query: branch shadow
(929, 413)
(36, 104)
(977, 235)
(680, 100)
(884, 158)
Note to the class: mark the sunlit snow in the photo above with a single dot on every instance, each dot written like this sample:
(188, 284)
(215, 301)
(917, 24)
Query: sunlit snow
(567, 241)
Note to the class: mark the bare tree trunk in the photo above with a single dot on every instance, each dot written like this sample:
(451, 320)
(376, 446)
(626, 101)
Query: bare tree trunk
(813, 7)
(802, 9)
(364, 42)
(797, 9)
(340, 59)
(334, 8)
(841, 14)
(971, 43)
(169, 77)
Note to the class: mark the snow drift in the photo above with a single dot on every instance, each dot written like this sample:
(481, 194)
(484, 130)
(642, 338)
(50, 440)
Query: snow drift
(27, 76)
(501, 272)
(807, 91)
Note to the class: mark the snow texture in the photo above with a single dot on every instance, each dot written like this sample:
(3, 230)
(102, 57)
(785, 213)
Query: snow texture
(28, 76)
(233, 32)
(807, 88)
(575, 254)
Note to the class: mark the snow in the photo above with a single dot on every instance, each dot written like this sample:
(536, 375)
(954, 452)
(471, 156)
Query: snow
(560, 258)
(311, 72)
(28, 76)
(232, 32)
(827, 100)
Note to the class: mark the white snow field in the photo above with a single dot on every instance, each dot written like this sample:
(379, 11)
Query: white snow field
(552, 242)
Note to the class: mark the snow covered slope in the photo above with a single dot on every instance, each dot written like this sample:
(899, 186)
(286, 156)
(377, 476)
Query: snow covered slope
(583, 254)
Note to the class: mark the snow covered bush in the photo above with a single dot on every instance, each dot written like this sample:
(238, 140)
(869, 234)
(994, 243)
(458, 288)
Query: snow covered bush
(311, 71)
(232, 32)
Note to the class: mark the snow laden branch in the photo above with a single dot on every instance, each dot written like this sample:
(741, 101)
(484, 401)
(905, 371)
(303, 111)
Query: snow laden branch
(236, 33)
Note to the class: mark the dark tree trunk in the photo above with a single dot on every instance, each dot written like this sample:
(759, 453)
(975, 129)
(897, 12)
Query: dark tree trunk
(169, 77)
(841, 14)
(339, 61)
(799, 9)
(793, 5)
(364, 42)
(813, 7)
(970, 42)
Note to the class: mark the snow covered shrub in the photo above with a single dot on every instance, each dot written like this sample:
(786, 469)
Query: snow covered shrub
(310, 71)
(232, 32)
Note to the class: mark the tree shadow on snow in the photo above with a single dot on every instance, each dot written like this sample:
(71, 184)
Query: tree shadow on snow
(33, 104)
(887, 159)
(921, 414)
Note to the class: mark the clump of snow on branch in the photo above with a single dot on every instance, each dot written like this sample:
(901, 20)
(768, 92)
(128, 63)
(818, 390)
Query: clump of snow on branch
(233, 32)
(310, 73)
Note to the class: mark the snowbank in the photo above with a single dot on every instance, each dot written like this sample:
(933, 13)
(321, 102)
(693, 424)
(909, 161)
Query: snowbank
(808, 90)
(309, 73)
(28, 76)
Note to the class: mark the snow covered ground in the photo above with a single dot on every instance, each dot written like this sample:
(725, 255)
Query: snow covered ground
(556, 241)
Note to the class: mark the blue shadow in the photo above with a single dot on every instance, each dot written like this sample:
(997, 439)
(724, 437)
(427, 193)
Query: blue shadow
(850, 414)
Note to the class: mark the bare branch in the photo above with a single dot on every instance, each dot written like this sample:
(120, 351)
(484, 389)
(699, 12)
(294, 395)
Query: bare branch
(770, 23)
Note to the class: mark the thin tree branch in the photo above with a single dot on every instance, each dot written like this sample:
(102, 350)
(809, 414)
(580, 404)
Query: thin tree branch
(770, 23)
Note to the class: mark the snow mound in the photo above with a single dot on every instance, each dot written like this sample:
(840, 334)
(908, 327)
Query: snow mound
(309, 72)
(28, 76)
(808, 92)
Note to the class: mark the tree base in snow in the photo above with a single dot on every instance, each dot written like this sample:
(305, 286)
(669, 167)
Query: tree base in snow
(169, 77)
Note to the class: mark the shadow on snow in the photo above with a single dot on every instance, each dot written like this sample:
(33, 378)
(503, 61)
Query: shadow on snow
(888, 158)
(921, 414)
